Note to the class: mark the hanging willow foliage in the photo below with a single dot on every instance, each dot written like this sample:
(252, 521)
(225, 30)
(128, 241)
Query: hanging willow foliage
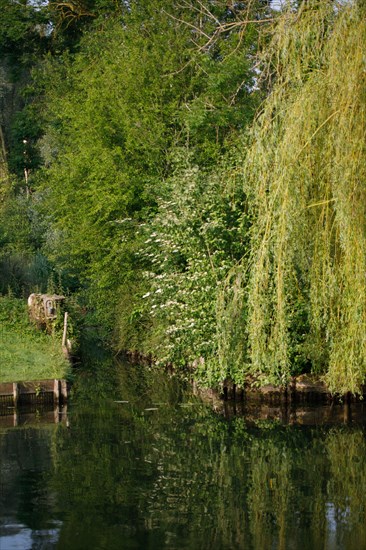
(306, 179)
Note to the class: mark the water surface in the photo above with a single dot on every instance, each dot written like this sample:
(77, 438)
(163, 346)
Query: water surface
(137, 462)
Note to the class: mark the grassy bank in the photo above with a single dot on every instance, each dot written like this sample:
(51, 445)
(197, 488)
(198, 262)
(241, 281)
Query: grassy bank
(26, 353)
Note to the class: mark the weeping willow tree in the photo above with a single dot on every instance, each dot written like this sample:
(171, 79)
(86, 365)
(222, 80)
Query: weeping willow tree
(306, 179)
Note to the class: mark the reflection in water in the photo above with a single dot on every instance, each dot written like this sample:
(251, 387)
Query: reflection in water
(19, 537)
(144, 464)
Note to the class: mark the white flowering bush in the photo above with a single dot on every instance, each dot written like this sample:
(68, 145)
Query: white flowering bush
(196, 237)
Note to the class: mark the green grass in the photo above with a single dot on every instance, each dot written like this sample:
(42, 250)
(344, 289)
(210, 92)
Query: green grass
(25, 353)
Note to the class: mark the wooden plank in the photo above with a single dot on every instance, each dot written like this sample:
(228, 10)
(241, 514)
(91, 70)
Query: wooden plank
(35, 391)
(64, 390)
(37, 387)
(6, 388)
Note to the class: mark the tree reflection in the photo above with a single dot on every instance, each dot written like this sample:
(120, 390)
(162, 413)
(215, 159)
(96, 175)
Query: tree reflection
(163, 471)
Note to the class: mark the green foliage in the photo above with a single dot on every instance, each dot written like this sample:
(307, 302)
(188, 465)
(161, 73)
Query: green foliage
(195, 238)
(114, 112)
(107, 128)
(179, 237)
(23, 268)
(23, 134)
(25, 36)
(25, 353)
(224, 97)
(305, 178)
(23, 28)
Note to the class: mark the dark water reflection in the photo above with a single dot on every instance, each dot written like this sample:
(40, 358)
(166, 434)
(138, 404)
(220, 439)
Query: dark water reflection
(142, 464)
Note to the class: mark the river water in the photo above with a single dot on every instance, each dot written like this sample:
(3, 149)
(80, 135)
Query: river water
(137, 462)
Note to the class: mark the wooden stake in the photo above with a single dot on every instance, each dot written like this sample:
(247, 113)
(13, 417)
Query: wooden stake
(63, 390)
(56, 391)
(15, 393)
(64, 336)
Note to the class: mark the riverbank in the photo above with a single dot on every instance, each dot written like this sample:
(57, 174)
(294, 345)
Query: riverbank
(301, 389)
(25, 353)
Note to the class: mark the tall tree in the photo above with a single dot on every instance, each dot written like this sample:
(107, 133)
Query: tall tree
(116, 109)
(306, 175)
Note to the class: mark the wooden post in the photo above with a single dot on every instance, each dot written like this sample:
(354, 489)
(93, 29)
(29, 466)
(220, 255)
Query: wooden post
(64, 336)
(56, 391)
(63, 390)
(15, 393)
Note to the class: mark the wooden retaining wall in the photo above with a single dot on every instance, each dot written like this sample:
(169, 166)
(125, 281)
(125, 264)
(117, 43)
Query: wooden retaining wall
(309, 403)
(304, 389)
(36, 391)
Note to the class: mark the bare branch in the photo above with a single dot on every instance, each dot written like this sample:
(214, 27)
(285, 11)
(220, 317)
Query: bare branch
(243, 18)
